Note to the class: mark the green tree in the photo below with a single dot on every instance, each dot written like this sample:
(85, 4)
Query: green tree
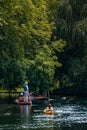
(71, 26)
(25, 27)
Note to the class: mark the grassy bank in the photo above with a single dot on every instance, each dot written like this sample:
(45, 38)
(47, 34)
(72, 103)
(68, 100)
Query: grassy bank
(4, 93)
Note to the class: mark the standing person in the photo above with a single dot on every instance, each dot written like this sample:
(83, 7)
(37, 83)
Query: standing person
(26, 91)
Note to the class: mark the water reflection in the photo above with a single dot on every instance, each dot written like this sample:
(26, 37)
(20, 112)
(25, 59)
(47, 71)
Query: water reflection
(69, 115)
(49, 121)
(25, 111)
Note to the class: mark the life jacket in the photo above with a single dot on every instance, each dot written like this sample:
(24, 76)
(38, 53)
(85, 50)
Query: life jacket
(25, 87)
(21, 99)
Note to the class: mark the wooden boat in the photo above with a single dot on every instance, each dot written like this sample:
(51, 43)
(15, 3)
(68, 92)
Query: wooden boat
(20, 100)
(48, 111)
(39, 97)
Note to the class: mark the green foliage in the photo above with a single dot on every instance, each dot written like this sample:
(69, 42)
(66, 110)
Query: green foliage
(33, 37)
(71, 26)
(41, 73)
(79, 33)
(77, 72)
(24, 53)
(59, 45)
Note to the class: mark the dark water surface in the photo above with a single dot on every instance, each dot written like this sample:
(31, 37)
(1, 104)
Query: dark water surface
(70, 114)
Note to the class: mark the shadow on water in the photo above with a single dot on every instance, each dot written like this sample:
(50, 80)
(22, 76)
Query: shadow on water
(70, 113)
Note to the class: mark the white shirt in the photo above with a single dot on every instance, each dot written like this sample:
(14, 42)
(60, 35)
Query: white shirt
(49, 108)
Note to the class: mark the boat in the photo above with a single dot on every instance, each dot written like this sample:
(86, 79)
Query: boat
(48, 111)
(20, 100)
(39, 97)
(34, 96)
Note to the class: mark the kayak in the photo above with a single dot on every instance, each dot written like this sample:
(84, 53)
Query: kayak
(48, 111)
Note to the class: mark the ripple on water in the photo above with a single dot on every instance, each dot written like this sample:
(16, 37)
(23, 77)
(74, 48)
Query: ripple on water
(65, 115)
(70, 114)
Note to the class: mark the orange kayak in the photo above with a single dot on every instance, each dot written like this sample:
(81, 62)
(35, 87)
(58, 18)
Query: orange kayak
(48, 111)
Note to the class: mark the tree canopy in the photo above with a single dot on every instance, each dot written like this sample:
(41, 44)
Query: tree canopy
(44, 42)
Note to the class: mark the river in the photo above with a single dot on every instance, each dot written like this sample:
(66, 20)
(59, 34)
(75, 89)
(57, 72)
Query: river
(70, 114)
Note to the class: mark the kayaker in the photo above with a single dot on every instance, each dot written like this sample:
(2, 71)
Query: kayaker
(49, 107)
(26, 91)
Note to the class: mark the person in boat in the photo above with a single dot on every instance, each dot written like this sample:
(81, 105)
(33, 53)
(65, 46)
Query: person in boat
(26, 91)
(29, 99)
(21, 97)
(49, 107)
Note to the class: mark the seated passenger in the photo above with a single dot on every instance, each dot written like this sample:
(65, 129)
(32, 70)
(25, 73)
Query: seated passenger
(21, 98)
(49, 107)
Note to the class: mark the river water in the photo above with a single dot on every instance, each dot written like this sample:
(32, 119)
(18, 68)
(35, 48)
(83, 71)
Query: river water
(70, 114)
